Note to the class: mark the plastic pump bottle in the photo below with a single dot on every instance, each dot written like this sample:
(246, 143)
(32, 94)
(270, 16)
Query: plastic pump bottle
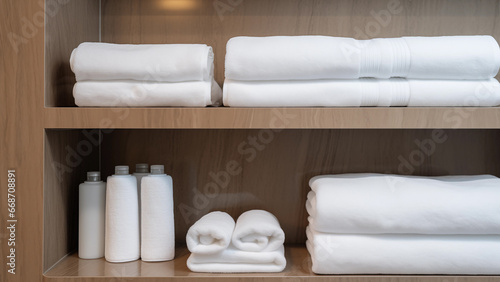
(158, 230)
(91, 216)
(122, 242)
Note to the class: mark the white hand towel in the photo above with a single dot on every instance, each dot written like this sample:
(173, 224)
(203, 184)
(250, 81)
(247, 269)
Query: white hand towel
(363, 92)
(377, 203)
(122, 242)
(233, 260)
(403, 254)
(146, 94)
(144, 62)
(211, 233)
(321, 57)
(158, 228)
(258, 231)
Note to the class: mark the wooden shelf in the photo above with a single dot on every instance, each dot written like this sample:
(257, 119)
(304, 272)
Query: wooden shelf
(233, 118)
(298, 268)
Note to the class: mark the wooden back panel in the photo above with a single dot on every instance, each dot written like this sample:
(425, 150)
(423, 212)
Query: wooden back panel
(273, 173)
(215, 22)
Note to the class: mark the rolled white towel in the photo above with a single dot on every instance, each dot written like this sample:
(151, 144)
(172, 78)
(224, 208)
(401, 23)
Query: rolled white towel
(378, 203)
(322, 57)
(233, 260)
(258, 231)
(142, 62)
(211, 233)
(403, 254)
(146, 94)
(367, 92)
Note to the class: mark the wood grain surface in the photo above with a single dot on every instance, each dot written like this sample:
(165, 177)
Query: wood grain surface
(225, 117)
(35, 74)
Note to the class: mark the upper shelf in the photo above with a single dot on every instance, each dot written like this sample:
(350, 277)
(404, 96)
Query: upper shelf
(234, 118)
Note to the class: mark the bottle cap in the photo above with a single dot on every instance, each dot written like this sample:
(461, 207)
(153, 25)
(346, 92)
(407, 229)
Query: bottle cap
(121, 170)
(141, 168)
(157, 169)
(93, 176)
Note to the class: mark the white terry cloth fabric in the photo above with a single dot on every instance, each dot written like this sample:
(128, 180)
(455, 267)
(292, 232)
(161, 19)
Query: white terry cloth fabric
(146, 94)
(322, 57)
(403, 254)
(258, 231)
(378, 203)
(233, 260)
(157, 223)
(211, 233)
(362, 93)
(122, 241)
(143, 62)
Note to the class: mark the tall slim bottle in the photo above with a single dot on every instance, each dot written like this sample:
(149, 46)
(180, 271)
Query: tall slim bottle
(158, 230)
(91, 216)
(122, 242)
(141, 170)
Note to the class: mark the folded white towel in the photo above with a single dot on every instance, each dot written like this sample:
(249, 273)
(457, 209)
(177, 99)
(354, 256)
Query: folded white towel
(157, 63)
(403, 254)
(258, 231)
(321, 57)
(211, 233)
(146, 94)
(377, 203)
(362, 92)
(233, 260)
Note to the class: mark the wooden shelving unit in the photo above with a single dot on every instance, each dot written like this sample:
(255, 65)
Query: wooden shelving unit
(43, 130)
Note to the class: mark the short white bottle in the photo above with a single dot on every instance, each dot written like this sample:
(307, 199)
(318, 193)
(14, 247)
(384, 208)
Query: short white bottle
(158, 229)
(122, 242)
(91, 216)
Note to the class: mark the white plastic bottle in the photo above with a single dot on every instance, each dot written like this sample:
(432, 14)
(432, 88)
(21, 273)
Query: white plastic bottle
(141, 170)
(91, 216)
(158, 230)
(122, 242)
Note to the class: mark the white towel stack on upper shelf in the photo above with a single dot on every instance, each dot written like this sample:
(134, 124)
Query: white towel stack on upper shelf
(124, 75)
(388, 224)
(253, 244)
(308, 71)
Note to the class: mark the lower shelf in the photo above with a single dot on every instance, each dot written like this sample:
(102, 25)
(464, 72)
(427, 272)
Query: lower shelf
(298, 268)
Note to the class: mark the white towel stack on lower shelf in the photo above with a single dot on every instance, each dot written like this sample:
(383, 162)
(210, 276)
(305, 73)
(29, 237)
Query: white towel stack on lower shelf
(388, 224)
(308, 71)
(253, 244)
(124, 75)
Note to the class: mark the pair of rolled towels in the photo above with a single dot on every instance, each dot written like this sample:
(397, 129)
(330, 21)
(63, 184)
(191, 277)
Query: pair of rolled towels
(125, 75)
(390, 224)
(310, 71)
(253, 244)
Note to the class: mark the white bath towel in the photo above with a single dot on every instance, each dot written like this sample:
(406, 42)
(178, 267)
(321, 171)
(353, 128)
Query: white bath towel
(403, 254)
(143, 62)
(157, 228)
(233, 260)
(258, 231)
(211, 233)
(377, 203)
(122, 241)
(362, 92)
(321, 57)
(146, 94)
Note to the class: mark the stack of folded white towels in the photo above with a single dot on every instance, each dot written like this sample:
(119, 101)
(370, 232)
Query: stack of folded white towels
(308, 71)
(122, 75)
(388, 224)
(253, 244)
